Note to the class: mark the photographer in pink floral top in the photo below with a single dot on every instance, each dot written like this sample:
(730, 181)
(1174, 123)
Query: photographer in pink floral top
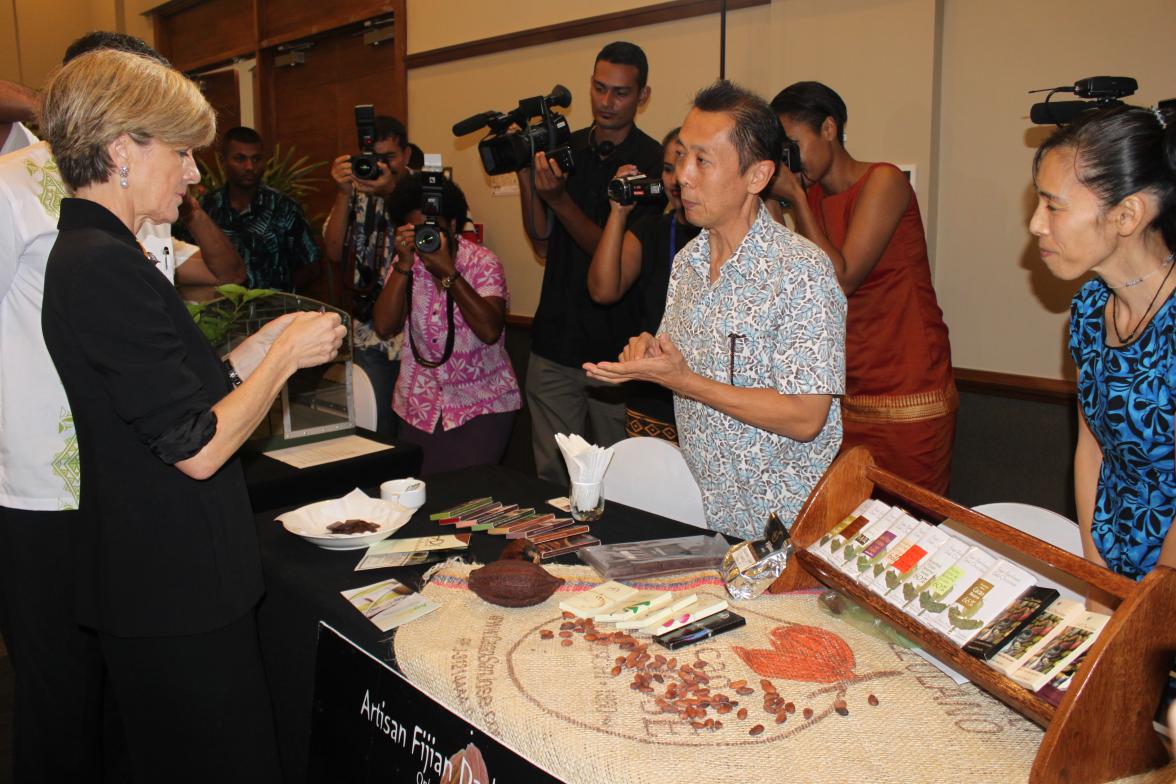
(457, 393)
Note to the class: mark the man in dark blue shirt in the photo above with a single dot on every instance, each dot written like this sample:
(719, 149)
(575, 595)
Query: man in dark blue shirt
(266, 227)
(570, 329)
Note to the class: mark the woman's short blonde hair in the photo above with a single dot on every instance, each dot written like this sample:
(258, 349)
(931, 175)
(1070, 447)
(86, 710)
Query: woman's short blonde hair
(101, 95)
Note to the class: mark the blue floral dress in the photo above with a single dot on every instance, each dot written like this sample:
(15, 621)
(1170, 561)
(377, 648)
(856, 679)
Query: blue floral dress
(1127, 395)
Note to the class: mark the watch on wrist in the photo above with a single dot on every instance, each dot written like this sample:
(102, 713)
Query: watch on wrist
(234, 377)
(448, 282)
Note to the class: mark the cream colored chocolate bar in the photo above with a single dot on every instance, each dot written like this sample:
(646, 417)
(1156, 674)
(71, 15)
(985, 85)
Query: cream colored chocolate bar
(605, 597)
(638, 606)
(867, 512)
(846, 558)
(657, 616)
(869, 562)
(703, 608)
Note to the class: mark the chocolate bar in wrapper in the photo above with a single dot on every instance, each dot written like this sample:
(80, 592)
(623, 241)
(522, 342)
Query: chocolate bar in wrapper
(750, 567)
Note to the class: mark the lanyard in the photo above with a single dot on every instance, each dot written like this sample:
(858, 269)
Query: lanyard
(673, 239)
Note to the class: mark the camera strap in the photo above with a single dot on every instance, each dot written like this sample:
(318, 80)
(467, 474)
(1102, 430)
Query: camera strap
(449, 329)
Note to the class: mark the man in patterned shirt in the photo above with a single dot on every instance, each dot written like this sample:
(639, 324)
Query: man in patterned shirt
(267, 228)
(358, 235)
(753, 338)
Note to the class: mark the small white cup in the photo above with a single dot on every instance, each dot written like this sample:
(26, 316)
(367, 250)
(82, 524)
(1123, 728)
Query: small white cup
(409, 492)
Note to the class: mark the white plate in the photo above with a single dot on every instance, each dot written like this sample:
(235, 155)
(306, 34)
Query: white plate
(311, 521)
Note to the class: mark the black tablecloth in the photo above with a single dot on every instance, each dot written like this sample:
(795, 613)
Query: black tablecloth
(276, 485)
(303, 584)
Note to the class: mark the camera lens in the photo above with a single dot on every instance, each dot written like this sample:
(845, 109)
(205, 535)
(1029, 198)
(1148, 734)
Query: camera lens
(364, 167)
(427, 238)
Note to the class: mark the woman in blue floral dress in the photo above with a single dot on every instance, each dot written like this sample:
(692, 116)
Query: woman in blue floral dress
(1107, 204)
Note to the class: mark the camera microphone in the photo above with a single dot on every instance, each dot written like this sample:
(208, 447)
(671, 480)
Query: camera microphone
(560, 96)
(471, 124)
(1059, 112)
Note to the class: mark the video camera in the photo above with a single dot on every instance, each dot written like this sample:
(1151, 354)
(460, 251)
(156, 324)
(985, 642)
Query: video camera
(1100, 91)
(635, 188)
(505, 151)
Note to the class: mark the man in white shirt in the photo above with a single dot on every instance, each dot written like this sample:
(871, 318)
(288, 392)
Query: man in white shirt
(18, 105)
(58, 669)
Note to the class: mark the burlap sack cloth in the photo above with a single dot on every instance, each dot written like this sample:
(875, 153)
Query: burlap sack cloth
(563, 709)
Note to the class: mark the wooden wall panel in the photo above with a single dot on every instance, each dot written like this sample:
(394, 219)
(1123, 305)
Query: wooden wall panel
(222, 91)
(281, 21)
(207, 33)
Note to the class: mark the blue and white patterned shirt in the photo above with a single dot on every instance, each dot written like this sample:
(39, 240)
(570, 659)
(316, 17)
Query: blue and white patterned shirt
(779, 298)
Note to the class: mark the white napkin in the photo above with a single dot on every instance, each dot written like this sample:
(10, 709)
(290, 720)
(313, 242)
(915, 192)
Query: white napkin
(313, 519)
(586, 464)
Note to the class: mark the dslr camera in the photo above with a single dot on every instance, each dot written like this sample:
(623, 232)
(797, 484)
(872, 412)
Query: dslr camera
(790, 159)
(427, 236)
(365, 166)
(635, 189)
(504, 151)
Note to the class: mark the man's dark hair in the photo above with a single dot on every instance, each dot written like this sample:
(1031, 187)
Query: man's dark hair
(625, 53)
(408, 195)
(757, 133)
(241, 135)
(391, 128)
(416, 157)
(101, 39)
(810, 103)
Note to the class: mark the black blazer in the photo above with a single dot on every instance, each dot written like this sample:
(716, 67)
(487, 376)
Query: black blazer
(157, 553)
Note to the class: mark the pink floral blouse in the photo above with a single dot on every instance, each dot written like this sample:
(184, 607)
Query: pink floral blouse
(478, 378)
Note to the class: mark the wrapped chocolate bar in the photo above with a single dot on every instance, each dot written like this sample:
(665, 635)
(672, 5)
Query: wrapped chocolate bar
(750, 567)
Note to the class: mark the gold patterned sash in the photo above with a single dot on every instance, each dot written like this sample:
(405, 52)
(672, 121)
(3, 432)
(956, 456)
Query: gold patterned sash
(918, 407)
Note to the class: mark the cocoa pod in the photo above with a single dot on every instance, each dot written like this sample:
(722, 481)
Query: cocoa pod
(513, 583)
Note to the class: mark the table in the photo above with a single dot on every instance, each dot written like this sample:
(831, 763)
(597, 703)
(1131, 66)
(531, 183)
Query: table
(275, 485)
(303, 584)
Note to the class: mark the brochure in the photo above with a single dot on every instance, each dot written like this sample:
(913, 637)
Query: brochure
(408, 552)
(389, 604)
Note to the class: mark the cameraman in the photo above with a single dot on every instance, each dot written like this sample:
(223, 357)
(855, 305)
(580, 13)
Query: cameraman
(358, 234)
(569, 329)
(457, 394)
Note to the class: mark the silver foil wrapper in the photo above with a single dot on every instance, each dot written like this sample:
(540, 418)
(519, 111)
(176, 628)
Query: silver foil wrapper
(747, 578)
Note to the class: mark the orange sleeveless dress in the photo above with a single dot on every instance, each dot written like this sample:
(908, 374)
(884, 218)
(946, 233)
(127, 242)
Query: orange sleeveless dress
(900, 396)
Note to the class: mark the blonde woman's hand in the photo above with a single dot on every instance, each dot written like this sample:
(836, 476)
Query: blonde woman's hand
(311, 339)
(247, 356)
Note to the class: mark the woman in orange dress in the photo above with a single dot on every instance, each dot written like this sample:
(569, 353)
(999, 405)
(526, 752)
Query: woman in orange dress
(900, 399)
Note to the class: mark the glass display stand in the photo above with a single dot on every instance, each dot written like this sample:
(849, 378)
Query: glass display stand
(316, 403)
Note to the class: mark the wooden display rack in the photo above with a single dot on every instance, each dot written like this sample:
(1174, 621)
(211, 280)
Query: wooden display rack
(1102, 729)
